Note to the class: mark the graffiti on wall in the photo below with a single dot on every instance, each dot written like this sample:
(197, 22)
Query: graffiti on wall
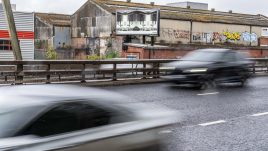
(175, 34)
(197, 36)
(232, 36)
(249, 37)
(225, 36)
(209, 37)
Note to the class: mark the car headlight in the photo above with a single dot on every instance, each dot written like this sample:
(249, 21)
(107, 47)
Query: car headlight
(197, 70)
(168, 68)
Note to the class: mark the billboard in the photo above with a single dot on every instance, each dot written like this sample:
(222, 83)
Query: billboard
(138, 22)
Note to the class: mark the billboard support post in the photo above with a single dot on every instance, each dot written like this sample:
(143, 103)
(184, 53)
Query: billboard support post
(144, 39)
(152, 40)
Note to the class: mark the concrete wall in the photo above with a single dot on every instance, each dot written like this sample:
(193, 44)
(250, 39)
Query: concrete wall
(43, 35)
(173, 53)
(176, 32)
(173, 31)
(221, 33)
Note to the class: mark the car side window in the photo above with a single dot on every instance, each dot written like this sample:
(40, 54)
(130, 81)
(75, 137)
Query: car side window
(68, 117)
(229, 57)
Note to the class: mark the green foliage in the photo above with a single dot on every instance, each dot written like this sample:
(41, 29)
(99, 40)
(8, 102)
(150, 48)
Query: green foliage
(94, 57)
(112, 54)
(51, 54)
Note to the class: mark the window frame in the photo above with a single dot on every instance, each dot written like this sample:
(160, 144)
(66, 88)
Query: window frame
(20, 133)
(226, 57)
(5, 43)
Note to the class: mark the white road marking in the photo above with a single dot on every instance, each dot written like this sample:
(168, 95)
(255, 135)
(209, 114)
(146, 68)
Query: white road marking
(212, 123)
(166, 132)
(204, 94)
(260, 114)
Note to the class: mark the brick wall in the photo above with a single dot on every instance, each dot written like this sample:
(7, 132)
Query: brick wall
(263, 41)
(173, 53)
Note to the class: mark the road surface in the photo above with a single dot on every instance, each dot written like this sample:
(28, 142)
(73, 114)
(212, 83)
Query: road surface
(222, 119)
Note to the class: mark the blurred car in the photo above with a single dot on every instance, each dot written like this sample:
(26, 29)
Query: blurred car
(69, 118)
(209, 67)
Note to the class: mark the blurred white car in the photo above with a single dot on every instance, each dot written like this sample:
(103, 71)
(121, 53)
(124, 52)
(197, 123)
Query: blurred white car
(68, 118)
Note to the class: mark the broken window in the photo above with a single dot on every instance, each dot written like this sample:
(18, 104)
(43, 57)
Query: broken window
(5, 45)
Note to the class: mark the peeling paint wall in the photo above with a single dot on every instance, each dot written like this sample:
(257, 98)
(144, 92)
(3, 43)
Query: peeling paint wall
(93, 25)
(91, 21)
(43, 35)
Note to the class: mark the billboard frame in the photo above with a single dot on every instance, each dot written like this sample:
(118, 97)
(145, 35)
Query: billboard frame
(141, 34)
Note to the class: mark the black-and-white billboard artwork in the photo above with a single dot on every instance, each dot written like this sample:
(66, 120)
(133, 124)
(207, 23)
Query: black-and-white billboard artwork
(138, 22)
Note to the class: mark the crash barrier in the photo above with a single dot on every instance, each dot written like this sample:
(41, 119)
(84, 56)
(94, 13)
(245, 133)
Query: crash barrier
(19, 72)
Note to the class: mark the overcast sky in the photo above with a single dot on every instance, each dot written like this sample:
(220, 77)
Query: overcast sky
(70, 6)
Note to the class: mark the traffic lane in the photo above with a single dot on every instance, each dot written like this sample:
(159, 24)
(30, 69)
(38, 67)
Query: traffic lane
(221, 103)
(244, 133)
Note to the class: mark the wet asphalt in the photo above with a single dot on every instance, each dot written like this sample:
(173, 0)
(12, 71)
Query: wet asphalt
(226, 118)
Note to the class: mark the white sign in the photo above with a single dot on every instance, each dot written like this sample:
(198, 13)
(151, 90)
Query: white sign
(138, 22)
(264, 32)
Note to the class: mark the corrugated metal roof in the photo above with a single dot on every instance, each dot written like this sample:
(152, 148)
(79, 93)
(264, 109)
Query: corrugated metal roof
(55, 19)
(176, 13)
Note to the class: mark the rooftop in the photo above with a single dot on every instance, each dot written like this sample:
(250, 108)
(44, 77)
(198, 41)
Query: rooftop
(176, 13)
(55, 19)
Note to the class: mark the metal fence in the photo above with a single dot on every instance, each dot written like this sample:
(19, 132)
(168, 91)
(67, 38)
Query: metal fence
(18, 72)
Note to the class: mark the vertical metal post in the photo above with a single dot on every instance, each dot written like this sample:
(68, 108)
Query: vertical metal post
(83, 74)
(254, 68)
(154, 70)
(250, 44)
(191, 31)
(144, 72)
(144, 39)
(158, 70)
(114, 72)
(152, 41)
(12, 30)
(48, 74)
(19, 77)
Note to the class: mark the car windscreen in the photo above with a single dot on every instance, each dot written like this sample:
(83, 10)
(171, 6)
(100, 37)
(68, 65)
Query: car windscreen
(209, 56)
(12, 120)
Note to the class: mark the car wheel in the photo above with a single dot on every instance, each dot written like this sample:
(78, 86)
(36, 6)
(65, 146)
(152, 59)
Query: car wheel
(207, 85)
(243, 82)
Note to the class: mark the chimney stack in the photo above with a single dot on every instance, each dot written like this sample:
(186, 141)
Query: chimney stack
(213, 9)
(129, 1)
(152, 3)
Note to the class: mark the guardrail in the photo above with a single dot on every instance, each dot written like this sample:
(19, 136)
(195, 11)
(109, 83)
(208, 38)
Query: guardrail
(19, 72)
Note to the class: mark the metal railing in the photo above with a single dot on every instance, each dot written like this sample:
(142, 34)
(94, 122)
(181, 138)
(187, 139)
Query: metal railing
(19, 72)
